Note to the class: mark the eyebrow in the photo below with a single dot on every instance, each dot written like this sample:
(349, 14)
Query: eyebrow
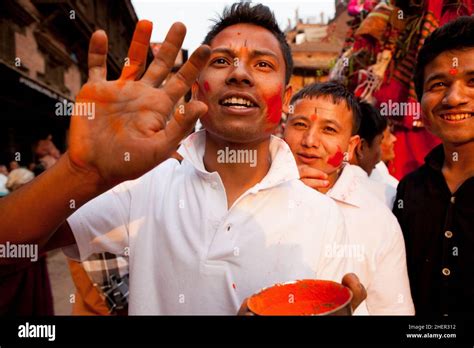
(298, 117)
(444, 75)
(325, 120)
(437, 76)
(253, 53)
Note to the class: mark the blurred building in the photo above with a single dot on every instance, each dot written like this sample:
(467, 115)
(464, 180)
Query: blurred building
(316, 46)
(43, 61)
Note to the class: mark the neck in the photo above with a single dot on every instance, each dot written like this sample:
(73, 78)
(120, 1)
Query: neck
(459, 158)
(240, 166)
(458, 165)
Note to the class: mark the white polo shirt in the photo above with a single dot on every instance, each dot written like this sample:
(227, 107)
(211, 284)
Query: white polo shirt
(381, 174)
(382, 191)
(189, 254)
(376, 246)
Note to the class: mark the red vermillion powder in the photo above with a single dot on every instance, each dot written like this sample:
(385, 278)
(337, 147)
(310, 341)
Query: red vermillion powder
(304, 297)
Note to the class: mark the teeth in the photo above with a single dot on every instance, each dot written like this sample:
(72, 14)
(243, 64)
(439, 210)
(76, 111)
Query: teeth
(456, 117)
(238, 102)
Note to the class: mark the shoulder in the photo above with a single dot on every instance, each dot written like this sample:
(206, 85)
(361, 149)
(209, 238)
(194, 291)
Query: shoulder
(310, 195)
(414, 179)
(313, 204)
(159, 176)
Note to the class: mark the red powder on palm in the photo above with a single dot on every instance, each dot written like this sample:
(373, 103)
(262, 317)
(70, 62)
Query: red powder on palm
(274, 107)
(303, 297)
(207, 88)
(337, 159)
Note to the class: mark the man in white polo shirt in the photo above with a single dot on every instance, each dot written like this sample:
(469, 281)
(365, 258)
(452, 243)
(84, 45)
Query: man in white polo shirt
(231, 218)
(322, 134)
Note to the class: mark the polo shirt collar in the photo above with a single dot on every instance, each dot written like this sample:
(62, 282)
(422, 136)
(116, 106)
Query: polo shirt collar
(283, 167)
(346, 189)
(435, 158)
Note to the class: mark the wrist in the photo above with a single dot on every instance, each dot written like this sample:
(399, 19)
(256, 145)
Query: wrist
(87, 181)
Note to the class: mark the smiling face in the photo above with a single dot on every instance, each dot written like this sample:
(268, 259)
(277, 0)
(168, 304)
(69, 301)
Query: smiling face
(243, 84)
(448, 96)
(319, 132)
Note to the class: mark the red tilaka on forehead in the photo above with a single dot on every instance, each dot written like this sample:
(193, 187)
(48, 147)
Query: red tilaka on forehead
(453, 71)
(313, 117)
(274, 107)
(337, 159)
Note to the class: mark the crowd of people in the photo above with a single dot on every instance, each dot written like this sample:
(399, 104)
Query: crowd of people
(162, 225)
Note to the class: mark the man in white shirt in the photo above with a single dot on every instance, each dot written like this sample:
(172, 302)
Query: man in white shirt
(232, 217)
(367, 153)
(322, 132)
(387, 154)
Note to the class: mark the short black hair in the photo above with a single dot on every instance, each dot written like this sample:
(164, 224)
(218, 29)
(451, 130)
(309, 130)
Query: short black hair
(338, 93)
(455, 35)
(261, 15)
(372, 122)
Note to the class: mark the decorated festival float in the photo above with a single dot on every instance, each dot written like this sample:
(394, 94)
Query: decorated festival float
(378, 61)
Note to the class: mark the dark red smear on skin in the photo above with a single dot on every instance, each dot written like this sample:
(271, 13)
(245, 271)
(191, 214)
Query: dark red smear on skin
(453, 71)
(336, 160)
(207, 88)
(233, 285)
(274, 107)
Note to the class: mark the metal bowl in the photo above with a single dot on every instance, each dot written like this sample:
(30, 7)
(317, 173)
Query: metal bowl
(258, 305)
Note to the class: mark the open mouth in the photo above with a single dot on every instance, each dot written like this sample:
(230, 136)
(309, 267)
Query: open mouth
(237, 103)
(456, 116)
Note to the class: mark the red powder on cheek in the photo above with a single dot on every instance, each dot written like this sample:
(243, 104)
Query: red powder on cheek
(336, 160)
(207, 88)
(274, 107)
(304, 297)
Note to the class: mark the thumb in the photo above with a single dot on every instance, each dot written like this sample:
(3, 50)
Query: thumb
(351, 281)
(182, 122)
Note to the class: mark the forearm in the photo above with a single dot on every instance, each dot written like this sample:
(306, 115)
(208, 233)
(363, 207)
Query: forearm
(34, 212)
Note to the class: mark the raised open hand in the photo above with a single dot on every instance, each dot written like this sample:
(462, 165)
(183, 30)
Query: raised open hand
(129, 134)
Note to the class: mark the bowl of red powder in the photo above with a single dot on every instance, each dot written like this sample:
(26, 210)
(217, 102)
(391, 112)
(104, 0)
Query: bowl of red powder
(302, 297)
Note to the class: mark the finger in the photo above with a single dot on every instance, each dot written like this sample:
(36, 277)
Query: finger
(181, 82)
(313, 173)
(181, 124)
(166, 56)
(315, 183)
(97, 56)
(138, 51)
(351, 281)
(244, 309)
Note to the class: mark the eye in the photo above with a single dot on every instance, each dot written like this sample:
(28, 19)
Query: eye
(299, 124)
(437, 85)
(330, 129)
(264, 65)
(220, 61)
